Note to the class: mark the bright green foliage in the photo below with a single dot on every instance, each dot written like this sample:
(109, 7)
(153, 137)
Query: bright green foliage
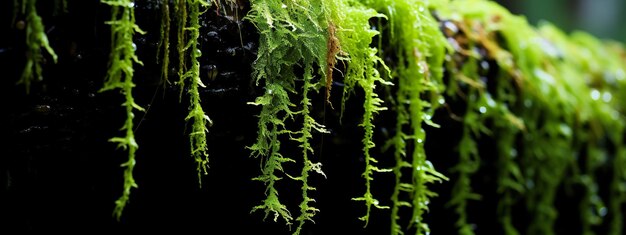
(554, 106)
(180, 10)
(120, 76)
(602, 66)
(482, 107)
(190, 78)
(293, 34)
(307, 212)
(553, 73)
(415, 39)
(355, 37)
(35, 39)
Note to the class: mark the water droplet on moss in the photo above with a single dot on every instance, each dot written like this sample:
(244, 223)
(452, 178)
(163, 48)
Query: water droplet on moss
(606, 97)
(528, 103)
(482, 109)
(602, 211)
(595, 94)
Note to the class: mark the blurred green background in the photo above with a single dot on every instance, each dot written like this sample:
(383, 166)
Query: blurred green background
(602, 18)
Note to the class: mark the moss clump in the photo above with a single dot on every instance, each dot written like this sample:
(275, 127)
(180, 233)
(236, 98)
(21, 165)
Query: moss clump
(292, 36)
(542, 76)
(552, 104)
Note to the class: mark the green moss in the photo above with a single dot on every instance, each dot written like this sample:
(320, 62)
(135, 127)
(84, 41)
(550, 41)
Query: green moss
(556, 117)
(163, 51)
(293, 34)
(355, 37)
(36, 39)
(120, 77)
(414, 38)
(554, 107)
(190, 79)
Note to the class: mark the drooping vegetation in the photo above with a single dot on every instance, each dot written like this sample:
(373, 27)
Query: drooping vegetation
(36, 39)
(190, 77)
(355, 37)
(541, 112)
(302, 27)
(120, 76)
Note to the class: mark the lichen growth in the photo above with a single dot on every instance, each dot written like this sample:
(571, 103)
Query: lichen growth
(120, 76)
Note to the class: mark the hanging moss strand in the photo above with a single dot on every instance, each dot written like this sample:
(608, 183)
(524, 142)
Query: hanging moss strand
(286, 23)
(36, 39)
(163, 51)
(120, 76)
(191, 79)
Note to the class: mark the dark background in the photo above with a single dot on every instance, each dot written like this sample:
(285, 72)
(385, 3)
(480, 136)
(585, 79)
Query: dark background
(59, 173)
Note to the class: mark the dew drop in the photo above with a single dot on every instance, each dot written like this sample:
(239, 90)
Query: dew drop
(615, 115)
(482, 109)
(602, 211)
(528, 103)
(490, 101)
(606, 96)
(595, 94)
(441, 100)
